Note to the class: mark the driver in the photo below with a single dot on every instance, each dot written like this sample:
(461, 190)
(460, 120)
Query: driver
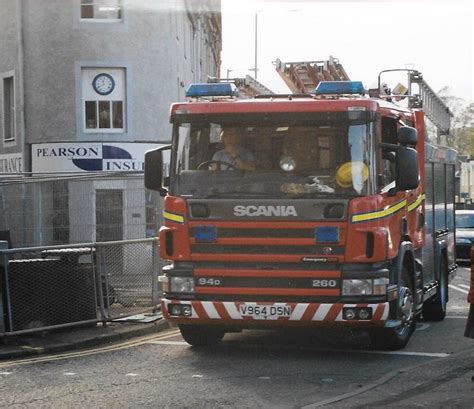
(233, 154)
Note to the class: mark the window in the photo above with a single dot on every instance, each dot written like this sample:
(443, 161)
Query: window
(8, 109)
(103, 93)
(101, 10)
(389, 136)
(298, 156)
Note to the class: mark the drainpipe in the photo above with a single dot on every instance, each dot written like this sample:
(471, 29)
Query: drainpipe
(21, 88)
(21, 100)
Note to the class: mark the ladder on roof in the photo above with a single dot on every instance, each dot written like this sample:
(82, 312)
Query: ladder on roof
(303, 77)
(421, 96)
(433, 106)
(248, 87)
(251, 87)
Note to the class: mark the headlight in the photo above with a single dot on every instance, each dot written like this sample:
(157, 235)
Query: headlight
(377, 286)
(181, 284)
(462, 241)
(357, 287)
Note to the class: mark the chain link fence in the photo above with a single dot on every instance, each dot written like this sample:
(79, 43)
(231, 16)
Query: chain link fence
(126, 271)
(46, 210)
(43, 288)
(48, 279)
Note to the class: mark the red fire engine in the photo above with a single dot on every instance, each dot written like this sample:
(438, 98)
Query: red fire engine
(342, 215)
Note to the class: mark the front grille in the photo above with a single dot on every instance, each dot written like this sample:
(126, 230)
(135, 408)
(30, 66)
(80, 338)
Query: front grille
(262, 249)
(264, 233)
(275, 262)
(245, 265)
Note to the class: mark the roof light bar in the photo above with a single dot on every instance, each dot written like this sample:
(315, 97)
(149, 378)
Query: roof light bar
(340, 87)
(224, 89)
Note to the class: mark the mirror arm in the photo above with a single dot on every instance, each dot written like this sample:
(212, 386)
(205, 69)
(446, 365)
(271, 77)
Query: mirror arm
(388, 146)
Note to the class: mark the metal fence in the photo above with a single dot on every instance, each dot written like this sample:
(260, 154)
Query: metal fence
(43, 288)
(45, 210)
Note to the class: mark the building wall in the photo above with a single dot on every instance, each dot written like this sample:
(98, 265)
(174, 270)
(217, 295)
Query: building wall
(161, 46)
(153, 52)
(11, 157)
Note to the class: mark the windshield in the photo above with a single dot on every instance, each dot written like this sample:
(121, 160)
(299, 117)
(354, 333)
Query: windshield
(465, 221)
(319, 154)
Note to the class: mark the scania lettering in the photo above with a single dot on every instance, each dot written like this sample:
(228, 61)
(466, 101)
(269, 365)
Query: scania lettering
(346, 220)
(255, 211)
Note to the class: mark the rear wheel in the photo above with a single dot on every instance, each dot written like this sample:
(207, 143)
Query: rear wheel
(197, 335)
(397, 337)
(434, 309)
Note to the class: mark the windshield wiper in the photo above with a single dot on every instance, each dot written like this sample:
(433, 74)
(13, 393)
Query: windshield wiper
(320, 195)
(239, 193)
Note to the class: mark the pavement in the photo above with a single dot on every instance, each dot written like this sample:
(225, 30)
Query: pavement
(440, 383)
(69, 339)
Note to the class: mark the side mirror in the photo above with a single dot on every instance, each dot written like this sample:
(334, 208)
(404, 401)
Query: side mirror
(154, 169)
(406, 168)
(407, 136)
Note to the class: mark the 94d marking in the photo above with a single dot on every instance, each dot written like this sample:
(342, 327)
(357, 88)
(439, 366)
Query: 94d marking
(209, 282)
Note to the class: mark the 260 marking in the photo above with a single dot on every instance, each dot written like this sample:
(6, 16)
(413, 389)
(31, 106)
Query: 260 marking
(324, 283)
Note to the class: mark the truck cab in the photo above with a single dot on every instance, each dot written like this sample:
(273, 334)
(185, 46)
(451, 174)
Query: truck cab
(327, 228)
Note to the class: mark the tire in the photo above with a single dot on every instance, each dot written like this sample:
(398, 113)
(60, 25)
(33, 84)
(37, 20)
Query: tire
(397, 337)
(434, 309)
(197, 336)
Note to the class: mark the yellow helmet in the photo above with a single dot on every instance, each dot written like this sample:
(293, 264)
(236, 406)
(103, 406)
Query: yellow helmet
(344, 173)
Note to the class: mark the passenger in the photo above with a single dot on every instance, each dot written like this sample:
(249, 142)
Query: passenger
(233, 154)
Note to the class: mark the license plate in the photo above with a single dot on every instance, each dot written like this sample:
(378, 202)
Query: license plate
(265, 311)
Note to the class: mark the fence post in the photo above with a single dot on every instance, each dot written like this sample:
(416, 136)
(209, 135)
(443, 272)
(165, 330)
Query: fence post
(99, 264)
(155, 274)
(4, 264)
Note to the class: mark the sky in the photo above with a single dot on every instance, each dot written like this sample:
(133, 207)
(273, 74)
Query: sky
(433, 36)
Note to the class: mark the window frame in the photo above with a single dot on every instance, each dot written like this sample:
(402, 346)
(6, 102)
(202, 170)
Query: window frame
(10, 106)
(108, 99)
(112, 111)
(95, 20)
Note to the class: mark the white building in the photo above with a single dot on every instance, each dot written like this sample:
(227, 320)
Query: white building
(466, 183)
(86, 85)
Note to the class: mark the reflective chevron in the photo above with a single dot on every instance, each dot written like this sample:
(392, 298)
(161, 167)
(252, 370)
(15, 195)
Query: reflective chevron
(229, 312)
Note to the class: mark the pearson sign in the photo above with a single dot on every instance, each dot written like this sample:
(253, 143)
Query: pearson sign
(89, 157)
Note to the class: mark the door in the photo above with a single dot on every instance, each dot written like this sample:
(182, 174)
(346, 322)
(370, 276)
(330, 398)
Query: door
(109, 214)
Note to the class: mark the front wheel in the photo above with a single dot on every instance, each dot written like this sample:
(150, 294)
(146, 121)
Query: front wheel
(397, 337)
(434, 309)
(197, 335)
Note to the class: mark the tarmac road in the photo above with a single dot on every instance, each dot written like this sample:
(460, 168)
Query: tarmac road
(257, 369)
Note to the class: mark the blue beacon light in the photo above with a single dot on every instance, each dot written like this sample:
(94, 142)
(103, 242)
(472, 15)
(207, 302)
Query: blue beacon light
(224, 89)
(340, 87)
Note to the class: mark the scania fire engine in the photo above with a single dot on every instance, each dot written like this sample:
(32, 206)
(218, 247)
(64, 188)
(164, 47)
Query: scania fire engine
(345, 219)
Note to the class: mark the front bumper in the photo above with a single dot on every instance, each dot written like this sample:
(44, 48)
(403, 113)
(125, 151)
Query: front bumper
(232, 314)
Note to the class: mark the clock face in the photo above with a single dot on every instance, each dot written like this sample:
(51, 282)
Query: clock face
(103, 84)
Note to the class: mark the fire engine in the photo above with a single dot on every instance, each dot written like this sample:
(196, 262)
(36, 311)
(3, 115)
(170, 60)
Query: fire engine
(343, 215)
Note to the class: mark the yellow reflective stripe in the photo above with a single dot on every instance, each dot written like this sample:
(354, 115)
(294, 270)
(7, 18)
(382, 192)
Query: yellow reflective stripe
(173, 217)
(416, 203)
(379, 213)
